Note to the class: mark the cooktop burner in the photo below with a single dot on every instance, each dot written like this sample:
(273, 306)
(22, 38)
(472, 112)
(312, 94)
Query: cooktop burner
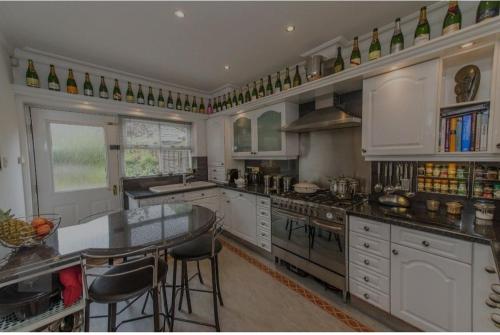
(322, 197)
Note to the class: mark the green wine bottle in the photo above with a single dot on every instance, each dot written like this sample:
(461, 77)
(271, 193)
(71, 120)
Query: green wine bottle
(117, 93)
(241, 99)
(375, 50)
(255, 95)
(161, 100)
(88, 89)
(355, 59)
(129, 94)
(71, 87)
(219, 104)
(103, 89)
(297, 81)
(277, 84)
(235, 99)
(487, 10)
(31, 75)
(248, 97)
(287, 83)
(224, 102)
(229, 101)
(262, 91)
(187, 105)
(397, 40)
(53, 80)
(269, 86)
(202, 106)
(151, 97)
(423, 30)
(194, 105)
(170, 101)
(339, 61)
(453, 19)
(178, 102)
(215, 108)
(140, 95)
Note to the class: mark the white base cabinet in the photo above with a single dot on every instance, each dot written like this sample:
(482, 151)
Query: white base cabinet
(430, 292)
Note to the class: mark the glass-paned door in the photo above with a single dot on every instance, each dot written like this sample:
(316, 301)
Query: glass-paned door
(242, 134)
(269, 135)
(77, 172)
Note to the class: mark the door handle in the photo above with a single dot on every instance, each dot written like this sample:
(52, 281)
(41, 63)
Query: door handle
(329, 227)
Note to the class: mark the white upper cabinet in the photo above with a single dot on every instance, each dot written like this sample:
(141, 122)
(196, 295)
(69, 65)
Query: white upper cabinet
(257, 134)
(215, 141)
(430, 292)
(400, 111)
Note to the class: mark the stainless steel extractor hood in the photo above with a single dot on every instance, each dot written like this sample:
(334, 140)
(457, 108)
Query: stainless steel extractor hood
(332, 117)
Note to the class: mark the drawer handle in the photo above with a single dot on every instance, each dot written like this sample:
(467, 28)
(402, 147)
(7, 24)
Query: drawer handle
(367, 262)
(263, 202)
(395, 252)
(425, 243)
(262, 213)
(203, 194)
(263, 234)
(366, 228)
(227, 201)
(490, 269)
(366, 279)
(366, 245)
(367, 296)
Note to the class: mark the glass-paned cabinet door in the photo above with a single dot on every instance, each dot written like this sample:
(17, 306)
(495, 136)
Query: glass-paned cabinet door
(242, 135)
(269, 133)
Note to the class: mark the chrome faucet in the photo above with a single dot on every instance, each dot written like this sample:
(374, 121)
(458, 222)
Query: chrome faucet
(186, 177)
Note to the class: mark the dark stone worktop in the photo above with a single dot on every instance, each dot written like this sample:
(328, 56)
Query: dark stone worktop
(252, 189)
(418, 217)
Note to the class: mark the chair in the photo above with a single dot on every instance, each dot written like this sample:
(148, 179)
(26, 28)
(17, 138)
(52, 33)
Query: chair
(120, 277)
(204, 247)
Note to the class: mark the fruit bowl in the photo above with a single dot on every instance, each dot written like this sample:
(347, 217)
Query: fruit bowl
(28, 231)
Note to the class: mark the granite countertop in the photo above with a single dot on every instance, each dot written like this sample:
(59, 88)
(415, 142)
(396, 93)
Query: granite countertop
(418, 217)
(161, 226)
(144, 193)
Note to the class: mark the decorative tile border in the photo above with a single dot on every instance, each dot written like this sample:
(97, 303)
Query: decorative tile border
(313, 298)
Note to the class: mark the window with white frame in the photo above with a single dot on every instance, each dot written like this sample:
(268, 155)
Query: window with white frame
(154, 147)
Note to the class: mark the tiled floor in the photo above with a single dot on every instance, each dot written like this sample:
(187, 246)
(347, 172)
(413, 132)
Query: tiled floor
(258, 296)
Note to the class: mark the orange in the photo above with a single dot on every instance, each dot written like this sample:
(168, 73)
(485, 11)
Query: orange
(43, 230)
(38, 221)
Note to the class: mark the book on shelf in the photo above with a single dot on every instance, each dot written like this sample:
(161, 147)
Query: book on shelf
(464, 132)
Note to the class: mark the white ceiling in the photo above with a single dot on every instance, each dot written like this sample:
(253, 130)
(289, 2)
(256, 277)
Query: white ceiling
(147, 39)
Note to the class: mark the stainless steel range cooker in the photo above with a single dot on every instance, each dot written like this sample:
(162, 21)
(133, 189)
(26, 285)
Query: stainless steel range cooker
(308, 231)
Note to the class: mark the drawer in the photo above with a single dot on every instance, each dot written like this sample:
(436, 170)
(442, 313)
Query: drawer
(371, 245)
(263, 234)
(263, 223)
(369, 278)
(370, 228)
(220, 177)
(262, 201)
(435, 244)
(264, 212)
(371, 296)
(264, 244)
(369, 261)
(209, 192)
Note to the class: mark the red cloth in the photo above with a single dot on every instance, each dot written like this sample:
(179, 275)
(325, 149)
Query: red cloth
(71, 279)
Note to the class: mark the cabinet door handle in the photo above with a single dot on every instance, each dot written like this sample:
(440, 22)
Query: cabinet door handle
(425, 243)
(363, 151)
(395, 252)
(366, 245)
(490, 269)
(227, 201)
(366, 228)
(366, 279)
(367, 262)
(367, 296)
(262, 213)
(498, 145)
(203, 194)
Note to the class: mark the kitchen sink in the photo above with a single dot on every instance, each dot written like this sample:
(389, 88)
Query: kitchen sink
(180, 187)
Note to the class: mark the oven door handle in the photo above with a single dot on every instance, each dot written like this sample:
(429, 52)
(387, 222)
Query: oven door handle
(290, 215)
(333, 229)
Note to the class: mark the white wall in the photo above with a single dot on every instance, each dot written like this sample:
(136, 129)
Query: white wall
(11, 179)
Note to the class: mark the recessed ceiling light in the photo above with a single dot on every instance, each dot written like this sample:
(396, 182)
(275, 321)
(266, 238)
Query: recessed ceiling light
(226, 67)
(179, 13)
(467, 45)
(290, 28)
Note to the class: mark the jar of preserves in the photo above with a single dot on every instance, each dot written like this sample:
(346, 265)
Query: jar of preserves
(436, 186)
(488, 191)
(421, 171)
(462, 188)
(479, 172)
(436, 171)
(453, 188)
(492, 173)
(429, 167)
(461, 172)
(452, 170)
(444, 186)
(478, 189)
(420, 184)
(428, 185)
(444, 172)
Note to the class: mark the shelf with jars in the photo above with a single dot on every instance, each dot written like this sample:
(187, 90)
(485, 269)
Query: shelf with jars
(448, 178)
(486, 181)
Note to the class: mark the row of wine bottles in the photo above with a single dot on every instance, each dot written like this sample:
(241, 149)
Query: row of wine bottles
(452, 22)
(33, 80)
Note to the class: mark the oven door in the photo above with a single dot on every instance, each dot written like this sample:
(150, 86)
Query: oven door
(290, 231)
(328, 245)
